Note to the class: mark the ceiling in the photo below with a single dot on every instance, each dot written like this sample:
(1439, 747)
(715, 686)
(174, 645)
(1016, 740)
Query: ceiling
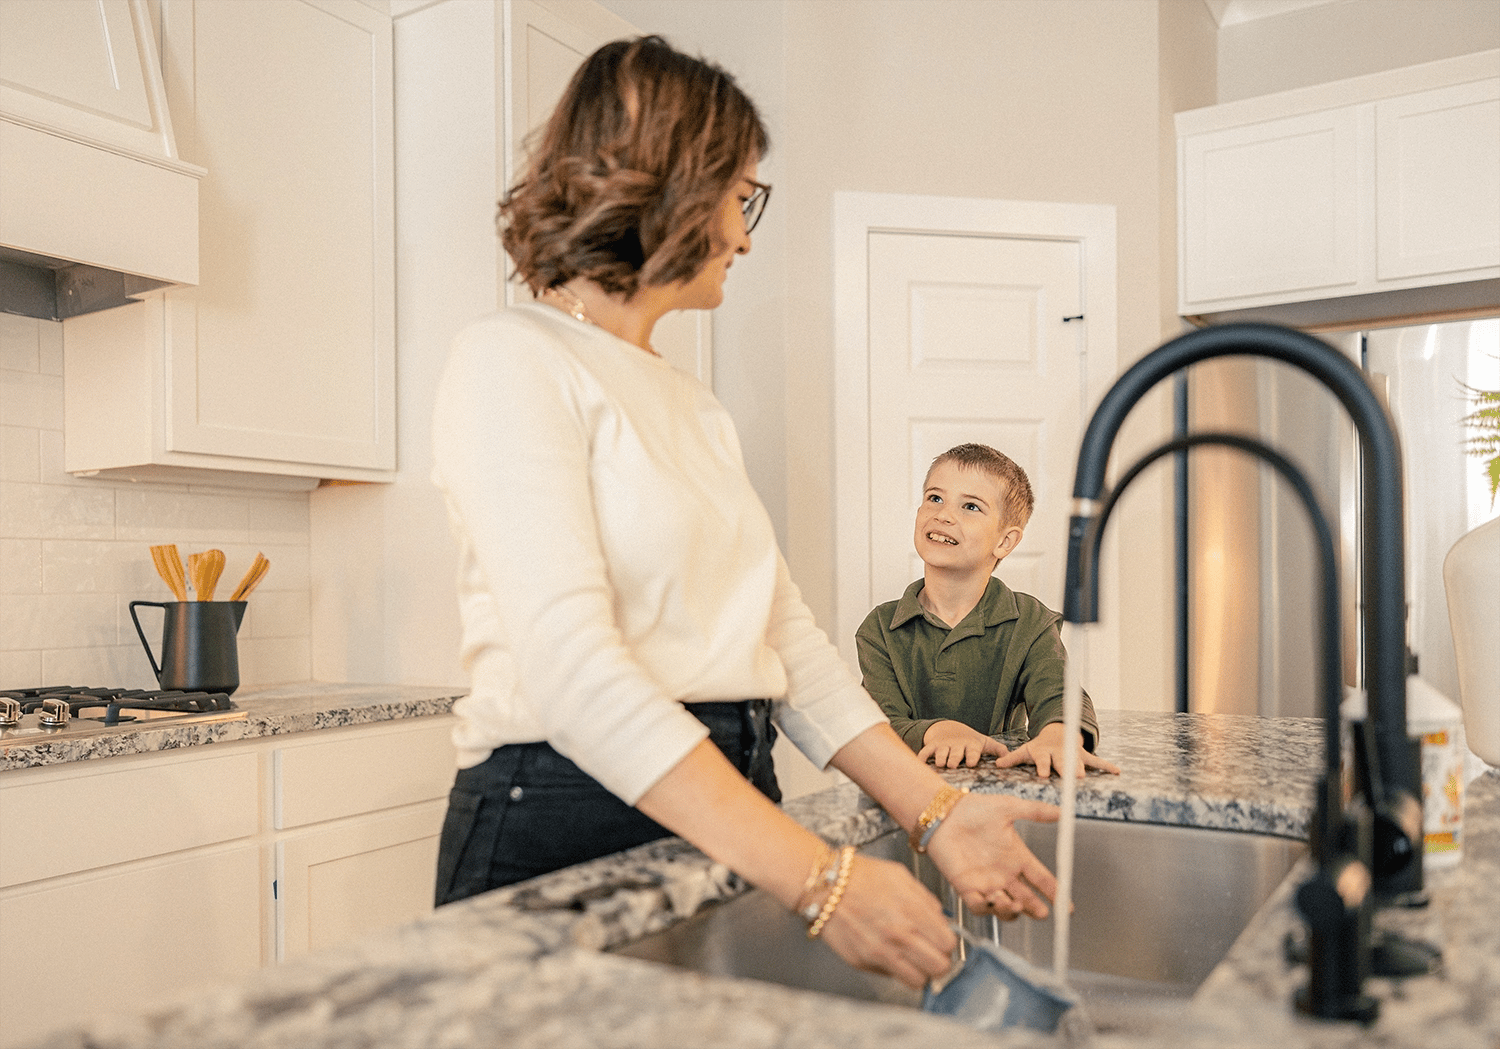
(1233, 12)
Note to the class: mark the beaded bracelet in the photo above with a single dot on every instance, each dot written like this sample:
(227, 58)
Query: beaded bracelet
(846, 864)
(933, 815)
(824, 870)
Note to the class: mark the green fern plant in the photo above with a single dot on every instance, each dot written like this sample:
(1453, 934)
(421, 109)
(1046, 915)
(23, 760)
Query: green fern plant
(1484, 442)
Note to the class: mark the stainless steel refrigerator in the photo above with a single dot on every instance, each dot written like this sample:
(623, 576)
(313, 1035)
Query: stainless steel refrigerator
(1249, 573)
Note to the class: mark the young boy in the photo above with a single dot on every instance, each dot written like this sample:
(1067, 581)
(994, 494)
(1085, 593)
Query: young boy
(950, 690)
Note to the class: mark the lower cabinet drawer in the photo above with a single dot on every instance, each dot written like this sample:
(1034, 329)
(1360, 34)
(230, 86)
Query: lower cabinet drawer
(77, 818)
(364, 769)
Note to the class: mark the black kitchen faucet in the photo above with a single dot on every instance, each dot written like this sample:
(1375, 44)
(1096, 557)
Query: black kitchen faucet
(1367, 850)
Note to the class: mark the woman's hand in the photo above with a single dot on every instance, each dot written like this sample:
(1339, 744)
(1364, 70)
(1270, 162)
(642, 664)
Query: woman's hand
(985, 860)
(888, 923)
(1047, 750)
(949, 744)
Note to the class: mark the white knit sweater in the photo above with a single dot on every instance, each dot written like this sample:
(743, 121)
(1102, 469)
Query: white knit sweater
(614, 560)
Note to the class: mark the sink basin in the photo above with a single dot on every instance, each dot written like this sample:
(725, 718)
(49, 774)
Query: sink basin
(1155, 909)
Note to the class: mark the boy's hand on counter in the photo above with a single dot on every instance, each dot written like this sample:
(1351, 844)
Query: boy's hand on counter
(1046, 752)
(949, 744)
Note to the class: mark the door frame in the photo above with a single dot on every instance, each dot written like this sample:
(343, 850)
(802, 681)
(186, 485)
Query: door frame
(857, 215)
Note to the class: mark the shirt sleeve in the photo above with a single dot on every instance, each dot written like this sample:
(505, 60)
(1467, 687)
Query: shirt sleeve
(825, 707)
(1041, 686)
(879, 679)
(511, 447)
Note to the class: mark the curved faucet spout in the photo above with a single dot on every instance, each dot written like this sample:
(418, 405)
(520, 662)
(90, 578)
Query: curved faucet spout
(1383, 566)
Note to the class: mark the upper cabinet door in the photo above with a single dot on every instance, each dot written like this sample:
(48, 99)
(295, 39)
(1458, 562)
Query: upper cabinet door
(1369, 200)
(1437, 180)
(1271, 207)
(285, 352)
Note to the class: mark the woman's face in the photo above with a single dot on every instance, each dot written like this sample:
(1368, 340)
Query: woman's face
(705, 291)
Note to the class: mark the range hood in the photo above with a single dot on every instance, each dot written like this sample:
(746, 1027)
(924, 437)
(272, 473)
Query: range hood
(96, 207)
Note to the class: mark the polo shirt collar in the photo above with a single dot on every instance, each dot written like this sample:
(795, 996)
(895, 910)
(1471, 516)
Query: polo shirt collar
(997, 606)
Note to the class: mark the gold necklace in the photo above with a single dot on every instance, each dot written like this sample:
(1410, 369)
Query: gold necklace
(573, 304)
(575, 308)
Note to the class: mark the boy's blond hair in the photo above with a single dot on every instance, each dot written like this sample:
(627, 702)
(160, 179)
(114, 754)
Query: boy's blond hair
(1015, 487)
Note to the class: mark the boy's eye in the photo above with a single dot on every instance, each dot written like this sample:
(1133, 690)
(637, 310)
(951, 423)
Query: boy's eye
(972, 506)
(934, 498)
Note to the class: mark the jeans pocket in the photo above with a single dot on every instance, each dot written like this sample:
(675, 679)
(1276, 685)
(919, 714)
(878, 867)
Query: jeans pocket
(461, 868)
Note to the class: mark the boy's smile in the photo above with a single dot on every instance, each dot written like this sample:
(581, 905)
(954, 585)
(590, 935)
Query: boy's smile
(960, 526)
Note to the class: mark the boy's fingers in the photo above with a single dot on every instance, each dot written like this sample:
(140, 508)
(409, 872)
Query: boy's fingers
(1093, 761)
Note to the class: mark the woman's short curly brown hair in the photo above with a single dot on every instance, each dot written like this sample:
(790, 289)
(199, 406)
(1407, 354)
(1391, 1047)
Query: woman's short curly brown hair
(625, 185)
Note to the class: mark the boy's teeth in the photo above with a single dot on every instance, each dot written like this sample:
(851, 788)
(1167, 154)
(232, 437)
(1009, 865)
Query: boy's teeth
(942, 539)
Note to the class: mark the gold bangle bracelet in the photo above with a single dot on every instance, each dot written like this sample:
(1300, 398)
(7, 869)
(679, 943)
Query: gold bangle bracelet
(933, 815)
(846, 865)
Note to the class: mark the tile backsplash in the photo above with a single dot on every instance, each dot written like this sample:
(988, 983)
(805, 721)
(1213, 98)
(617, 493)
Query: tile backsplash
(74, 552)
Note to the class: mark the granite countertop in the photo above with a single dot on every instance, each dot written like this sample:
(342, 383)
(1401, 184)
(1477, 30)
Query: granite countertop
(271, 711)
(522, 966)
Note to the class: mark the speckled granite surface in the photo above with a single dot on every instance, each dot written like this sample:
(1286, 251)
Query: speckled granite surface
(520, 966)
(273, 711)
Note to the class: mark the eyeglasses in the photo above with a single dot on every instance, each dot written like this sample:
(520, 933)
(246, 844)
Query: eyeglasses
(755, 205)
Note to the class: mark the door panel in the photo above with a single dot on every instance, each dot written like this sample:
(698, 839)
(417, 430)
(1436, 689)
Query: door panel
(968, 342)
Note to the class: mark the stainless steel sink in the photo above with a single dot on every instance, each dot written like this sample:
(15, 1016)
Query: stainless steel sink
(1155, 909)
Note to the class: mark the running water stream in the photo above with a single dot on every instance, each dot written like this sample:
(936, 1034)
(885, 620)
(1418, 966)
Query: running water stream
(1075, 641)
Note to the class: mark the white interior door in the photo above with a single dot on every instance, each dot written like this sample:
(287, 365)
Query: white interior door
(547, 41)
(950, 327)
(969, 342)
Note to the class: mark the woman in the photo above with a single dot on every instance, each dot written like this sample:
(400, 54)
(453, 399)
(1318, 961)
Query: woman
(629, 624)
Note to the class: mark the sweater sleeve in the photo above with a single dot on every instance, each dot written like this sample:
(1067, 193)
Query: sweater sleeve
(879, 679)
(512, 453)
(825, 707)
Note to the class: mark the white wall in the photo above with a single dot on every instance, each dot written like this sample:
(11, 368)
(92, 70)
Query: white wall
(1335, 41)
(1023, 100)
(383, 599)
(75, 551)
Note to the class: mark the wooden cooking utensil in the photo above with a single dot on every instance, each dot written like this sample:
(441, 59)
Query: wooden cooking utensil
(169, 567)
(210, 567)
(252, 578)
(192, 574)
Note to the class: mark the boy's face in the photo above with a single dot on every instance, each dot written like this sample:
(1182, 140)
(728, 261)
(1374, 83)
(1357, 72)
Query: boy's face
(960, 524)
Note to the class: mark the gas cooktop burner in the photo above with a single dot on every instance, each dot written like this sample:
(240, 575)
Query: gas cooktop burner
(71, 710)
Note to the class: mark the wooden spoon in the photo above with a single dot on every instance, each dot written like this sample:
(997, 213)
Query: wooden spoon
(252, 578)
(210, 567)
(169, 567)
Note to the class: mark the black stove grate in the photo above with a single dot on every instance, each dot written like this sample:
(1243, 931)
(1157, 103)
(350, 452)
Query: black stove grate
(112, 701)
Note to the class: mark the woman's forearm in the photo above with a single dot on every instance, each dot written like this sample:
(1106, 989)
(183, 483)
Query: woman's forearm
(704, 799)
(887, 770)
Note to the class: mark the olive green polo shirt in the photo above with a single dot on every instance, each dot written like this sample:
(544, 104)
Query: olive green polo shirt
(999, 671)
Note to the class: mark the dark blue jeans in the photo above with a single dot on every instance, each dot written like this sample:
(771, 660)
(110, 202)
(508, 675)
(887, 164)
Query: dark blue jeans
(527, 810)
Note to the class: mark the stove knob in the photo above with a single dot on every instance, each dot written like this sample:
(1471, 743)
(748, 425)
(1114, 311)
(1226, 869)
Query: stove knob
(54, 713)
(10, 712)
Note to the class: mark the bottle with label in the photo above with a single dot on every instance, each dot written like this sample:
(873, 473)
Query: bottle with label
(1439, 722)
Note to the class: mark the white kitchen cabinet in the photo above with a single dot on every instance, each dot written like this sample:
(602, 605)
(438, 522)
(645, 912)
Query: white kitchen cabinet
(1361, 200)
(127, 883)
(281, 362)
(158, 875)
(359, 813)
(90, 167)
